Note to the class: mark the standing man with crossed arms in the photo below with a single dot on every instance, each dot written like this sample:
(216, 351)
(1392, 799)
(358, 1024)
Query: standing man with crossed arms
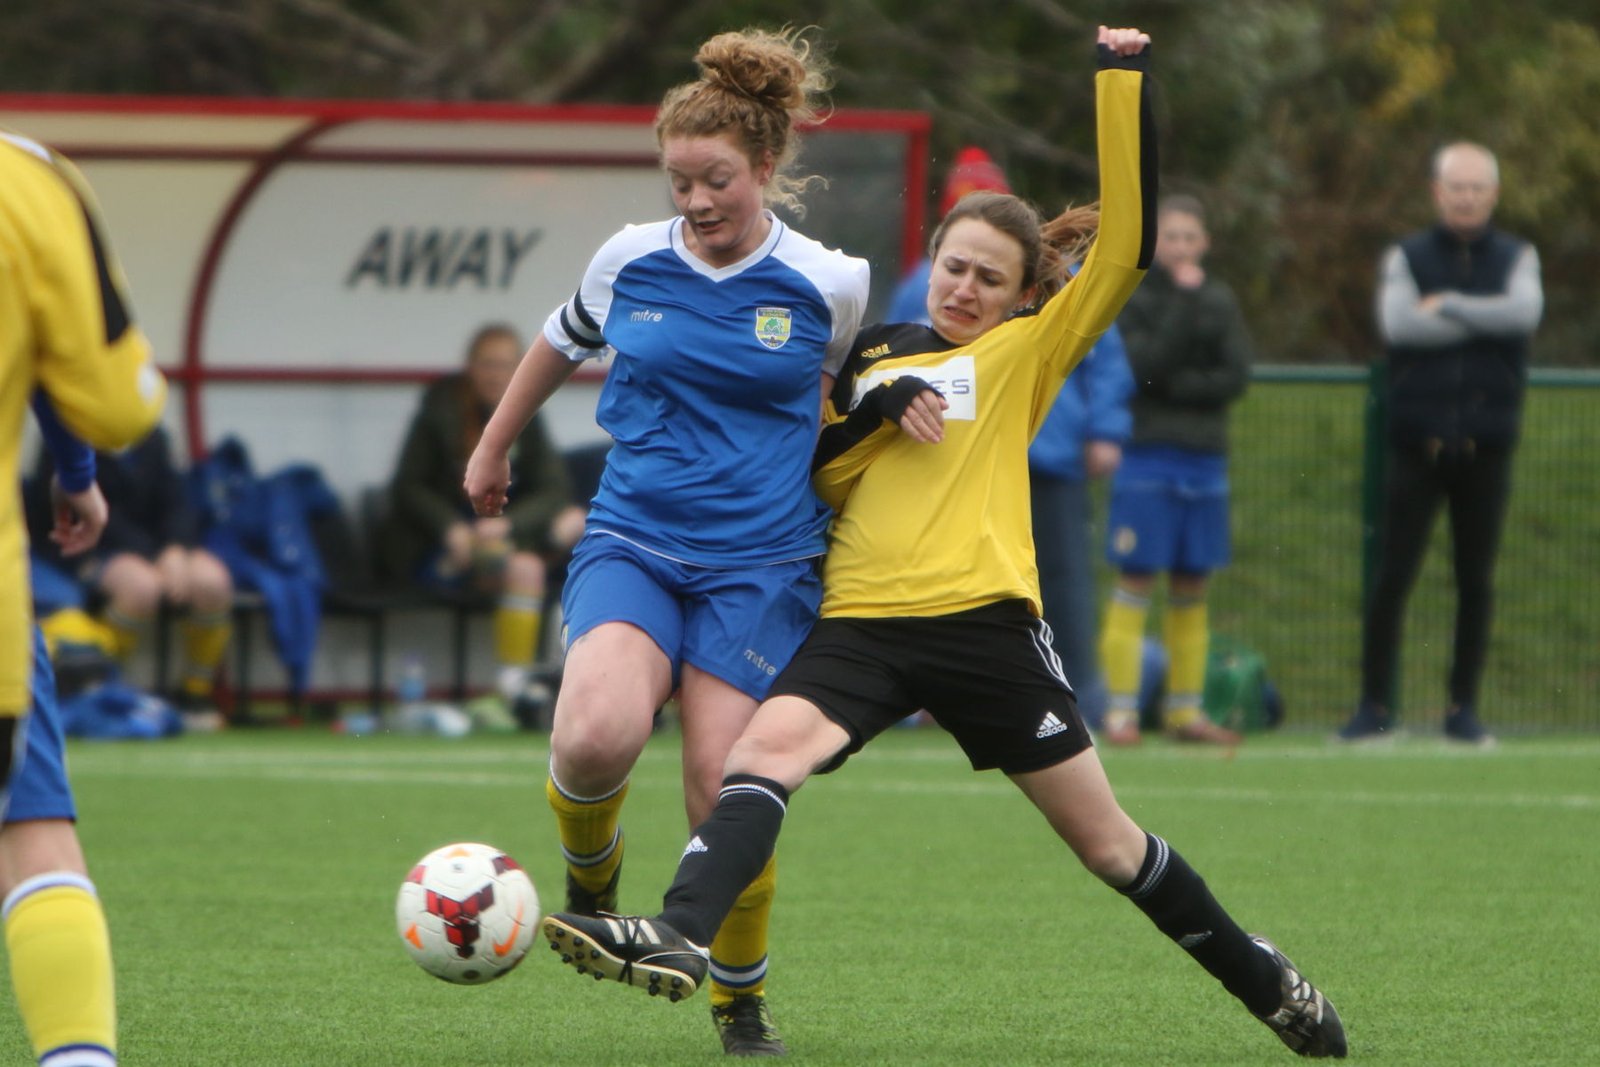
(1457, 307)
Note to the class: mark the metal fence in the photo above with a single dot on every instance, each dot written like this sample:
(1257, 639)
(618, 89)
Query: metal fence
(1299, 471)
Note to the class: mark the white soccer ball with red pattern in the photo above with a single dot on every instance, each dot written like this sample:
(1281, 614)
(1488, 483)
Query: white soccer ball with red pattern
(467, 913)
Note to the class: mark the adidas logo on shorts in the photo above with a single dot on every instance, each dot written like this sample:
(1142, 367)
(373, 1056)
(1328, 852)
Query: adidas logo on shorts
(1050, 726)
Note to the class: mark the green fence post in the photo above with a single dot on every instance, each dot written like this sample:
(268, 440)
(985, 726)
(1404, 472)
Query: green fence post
(1374, 451)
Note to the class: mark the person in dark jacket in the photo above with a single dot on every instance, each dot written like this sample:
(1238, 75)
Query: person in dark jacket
(1190, 353)
(433, 538)
(150, 553)
(1457, 306)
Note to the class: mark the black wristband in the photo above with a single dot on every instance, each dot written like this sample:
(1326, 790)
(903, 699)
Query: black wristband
(894, 397)
(1109, 60)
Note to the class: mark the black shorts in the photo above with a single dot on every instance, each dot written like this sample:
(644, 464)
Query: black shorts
(988, 676)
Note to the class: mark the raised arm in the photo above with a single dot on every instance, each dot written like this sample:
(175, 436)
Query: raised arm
(1074, 318)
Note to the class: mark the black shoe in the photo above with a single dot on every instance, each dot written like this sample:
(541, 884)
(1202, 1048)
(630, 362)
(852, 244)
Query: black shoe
(1305, 1021)
(1461, 724)
(581, 901)
(1370, 721)
(646, 953)
(746, 1028)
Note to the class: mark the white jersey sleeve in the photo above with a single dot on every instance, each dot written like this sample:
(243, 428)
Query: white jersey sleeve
(844, 282)
(849, 307)
(577, 328)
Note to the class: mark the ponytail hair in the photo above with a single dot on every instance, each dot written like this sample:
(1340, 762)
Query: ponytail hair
(1067, 238)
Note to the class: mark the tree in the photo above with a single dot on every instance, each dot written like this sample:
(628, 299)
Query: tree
(1305, 126)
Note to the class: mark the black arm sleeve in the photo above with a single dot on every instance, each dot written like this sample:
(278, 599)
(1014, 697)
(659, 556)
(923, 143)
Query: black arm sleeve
(884, 402)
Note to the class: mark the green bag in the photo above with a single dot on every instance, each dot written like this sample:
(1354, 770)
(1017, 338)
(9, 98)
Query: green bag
(1238, 694)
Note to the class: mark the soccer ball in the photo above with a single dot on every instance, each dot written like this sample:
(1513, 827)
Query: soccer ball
(467, 913)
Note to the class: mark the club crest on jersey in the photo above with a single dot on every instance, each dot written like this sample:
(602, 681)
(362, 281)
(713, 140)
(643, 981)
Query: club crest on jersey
(772, 326)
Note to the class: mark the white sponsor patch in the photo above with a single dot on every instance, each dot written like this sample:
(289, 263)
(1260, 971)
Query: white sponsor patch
(956, 378)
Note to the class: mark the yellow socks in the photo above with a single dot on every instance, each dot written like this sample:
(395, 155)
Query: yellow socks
(1122, 652)
(126, 631)
(516, 629)
(590, 839)
(739, 952)
(205, 640)
(1187, 633)
(61, 969)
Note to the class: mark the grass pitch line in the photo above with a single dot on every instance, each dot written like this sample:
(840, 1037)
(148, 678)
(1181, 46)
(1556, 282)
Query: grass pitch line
(290, 767)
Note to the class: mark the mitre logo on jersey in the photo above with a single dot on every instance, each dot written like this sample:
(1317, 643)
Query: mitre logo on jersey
(772, 326)
(956, 378)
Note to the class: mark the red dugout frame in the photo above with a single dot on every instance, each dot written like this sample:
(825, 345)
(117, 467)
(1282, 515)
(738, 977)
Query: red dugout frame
(316, 118)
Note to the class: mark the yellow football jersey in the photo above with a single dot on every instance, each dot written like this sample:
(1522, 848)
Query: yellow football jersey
(64, 327)
(925, 530)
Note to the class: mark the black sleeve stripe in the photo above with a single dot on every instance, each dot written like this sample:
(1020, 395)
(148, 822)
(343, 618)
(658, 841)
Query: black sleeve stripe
(10, 736)
(113, 310)
(583, 313)
(580, 339)
(1149, 173)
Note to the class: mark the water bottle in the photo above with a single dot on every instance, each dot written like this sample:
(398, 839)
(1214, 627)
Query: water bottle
(411, 696)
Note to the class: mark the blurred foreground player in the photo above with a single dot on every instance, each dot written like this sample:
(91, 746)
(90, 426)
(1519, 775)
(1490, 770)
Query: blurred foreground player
(64, 330)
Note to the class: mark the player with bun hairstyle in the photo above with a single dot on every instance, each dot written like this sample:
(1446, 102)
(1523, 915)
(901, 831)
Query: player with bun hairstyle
(697, 573)
(932, 598)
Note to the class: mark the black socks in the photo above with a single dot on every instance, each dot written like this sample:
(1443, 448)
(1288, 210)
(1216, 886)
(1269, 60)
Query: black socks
(724, 855)
(1176, 898)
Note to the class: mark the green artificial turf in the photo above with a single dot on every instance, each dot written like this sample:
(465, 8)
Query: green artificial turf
(926, 915)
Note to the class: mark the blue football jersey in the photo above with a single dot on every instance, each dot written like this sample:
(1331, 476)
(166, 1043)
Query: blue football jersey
(714, 395)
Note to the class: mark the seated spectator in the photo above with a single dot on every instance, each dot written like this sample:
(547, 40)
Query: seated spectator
(434, 539)
(150, 554)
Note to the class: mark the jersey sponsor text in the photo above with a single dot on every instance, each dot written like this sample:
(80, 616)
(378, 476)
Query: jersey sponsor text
(956, 378)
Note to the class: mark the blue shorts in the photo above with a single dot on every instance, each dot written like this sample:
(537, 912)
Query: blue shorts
(39, 788)
(741, 624)
(1169, 512)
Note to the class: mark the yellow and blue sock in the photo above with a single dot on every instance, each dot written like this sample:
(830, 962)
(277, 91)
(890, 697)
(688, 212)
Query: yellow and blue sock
(591, 840)
(127, 632)
(739, 951)
(1187, 632)
(1122, 652)
(516, 629)
(60, 954)
(205, 640)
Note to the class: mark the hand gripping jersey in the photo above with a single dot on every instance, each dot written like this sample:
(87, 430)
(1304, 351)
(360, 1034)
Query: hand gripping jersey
(935, 529)
(714, 397)
(65, 328)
